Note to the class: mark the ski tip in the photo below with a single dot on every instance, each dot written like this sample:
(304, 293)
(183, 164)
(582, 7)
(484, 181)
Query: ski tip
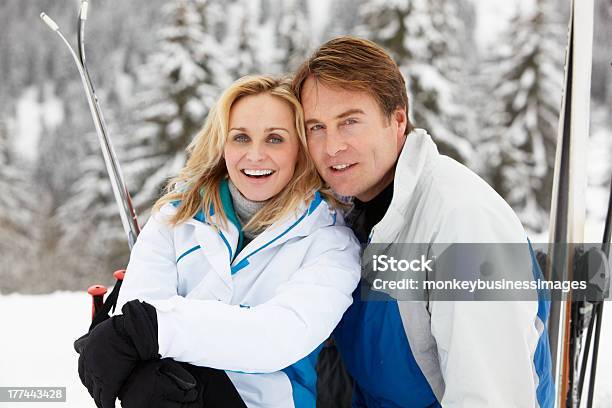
(84, 8)
(49, 21)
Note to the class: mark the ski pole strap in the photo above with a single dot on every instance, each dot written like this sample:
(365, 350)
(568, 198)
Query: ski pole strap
(110, 304)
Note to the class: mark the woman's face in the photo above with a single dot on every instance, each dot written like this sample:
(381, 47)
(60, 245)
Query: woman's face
(262, 146)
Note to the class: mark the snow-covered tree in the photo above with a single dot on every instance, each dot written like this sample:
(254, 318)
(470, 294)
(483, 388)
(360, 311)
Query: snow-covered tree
(15, 200)
(90, 229)
(179, 83)
(293, 34)
(266, 36)
(344, 17)
(91, 210)
(73, 211)
(16, 209)
(602, 32)
(248, 41)
(424, 38)
(525, 74)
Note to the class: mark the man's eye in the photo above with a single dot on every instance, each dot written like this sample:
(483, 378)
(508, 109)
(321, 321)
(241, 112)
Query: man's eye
(316, 127)
(241, 138)
(349, 121)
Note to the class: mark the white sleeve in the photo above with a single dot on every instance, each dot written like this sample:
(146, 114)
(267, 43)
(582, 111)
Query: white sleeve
(275, 334)
(151, 272)
(486, 348)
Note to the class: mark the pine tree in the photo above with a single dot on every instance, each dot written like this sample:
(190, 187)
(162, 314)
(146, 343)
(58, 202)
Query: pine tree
(243, 45)
(80, 234)
(89, 207)
(179, 84)
(423, 37)
(15, 200)
(602, 72)
(16, 209)
(293, 34)
(522, 119)
(345, 17)
(91, 210)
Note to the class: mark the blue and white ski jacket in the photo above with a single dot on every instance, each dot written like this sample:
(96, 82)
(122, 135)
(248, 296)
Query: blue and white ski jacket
(467, 354)
(260, 314)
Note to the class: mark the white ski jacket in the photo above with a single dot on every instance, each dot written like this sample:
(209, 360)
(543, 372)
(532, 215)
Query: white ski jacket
(261, 314)
(453, 354)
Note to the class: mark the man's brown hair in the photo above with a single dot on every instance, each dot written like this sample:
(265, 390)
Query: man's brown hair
(356, 64)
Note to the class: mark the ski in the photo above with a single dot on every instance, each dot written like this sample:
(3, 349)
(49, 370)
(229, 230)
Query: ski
(129, 221)
(569, 187)
(120, 190)
(598, 257)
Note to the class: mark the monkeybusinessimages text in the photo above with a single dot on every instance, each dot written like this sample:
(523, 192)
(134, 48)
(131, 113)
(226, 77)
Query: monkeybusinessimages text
(385, 263)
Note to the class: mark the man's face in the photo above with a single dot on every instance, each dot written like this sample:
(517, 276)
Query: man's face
(352, 143)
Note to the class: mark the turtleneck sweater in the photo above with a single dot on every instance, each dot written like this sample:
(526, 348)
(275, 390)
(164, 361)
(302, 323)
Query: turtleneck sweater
(245, 209)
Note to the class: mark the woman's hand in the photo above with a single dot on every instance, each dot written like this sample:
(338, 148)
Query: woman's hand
(161, 384)
(111, 351)
(166, 383)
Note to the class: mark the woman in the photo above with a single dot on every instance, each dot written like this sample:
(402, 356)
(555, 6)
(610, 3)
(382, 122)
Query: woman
(244, 265)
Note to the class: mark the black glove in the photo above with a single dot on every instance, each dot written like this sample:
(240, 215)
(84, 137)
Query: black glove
(160, 384)
(168, 384)
(110, 352)
(215, 387)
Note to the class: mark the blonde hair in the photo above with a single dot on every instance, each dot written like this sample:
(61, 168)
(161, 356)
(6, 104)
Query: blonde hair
(197, 184)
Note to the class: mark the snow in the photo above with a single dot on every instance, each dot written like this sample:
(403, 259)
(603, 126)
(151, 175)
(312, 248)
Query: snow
(28, 124)
(599, 171)
(319, 16)
(53, 108)
(35, 117)
(38, 332)
(41, 330)
(493, 16)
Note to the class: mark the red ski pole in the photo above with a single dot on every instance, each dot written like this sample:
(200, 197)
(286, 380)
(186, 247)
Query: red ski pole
(97, 292)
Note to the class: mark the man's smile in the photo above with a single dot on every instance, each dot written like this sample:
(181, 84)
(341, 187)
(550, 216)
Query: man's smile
(336, 168)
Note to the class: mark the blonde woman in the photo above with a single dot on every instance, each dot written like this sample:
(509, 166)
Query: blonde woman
(244, 267)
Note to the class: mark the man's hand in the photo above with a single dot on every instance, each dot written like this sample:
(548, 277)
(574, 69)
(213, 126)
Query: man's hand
(111, 351)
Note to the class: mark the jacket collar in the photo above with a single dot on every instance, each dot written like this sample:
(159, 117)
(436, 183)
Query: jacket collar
(416, 158)
(308, 217)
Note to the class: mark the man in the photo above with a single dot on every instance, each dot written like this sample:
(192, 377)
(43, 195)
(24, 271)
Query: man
(417, 353)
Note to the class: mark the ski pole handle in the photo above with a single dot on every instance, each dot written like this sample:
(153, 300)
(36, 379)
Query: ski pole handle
(97, 293)
(119, 274)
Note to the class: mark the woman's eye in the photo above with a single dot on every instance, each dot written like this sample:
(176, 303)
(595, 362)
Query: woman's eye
(241, 138)
(275, 139)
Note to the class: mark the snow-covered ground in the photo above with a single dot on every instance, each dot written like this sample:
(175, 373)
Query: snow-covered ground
(38, 331)
(36, 343)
